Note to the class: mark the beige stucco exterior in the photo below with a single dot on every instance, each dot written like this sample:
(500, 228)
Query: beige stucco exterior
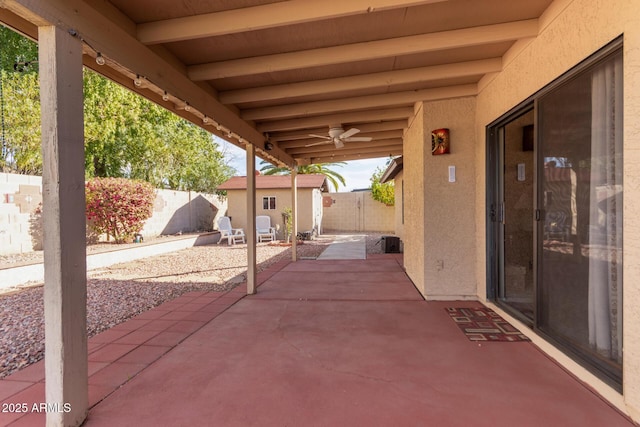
(309, 208)
(415, 142)
(398, 183)
(439, 253)
(445, 238)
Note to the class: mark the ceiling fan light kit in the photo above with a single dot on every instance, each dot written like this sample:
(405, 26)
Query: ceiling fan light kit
(338, 136)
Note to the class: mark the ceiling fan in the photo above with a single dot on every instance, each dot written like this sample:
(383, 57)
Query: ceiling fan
(338, 136)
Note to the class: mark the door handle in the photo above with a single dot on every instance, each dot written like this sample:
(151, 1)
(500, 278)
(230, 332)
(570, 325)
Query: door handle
(501, 212)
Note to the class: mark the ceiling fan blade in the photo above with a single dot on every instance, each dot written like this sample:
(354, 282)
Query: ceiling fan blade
(319, 143)
(338, 142)
(320, 136)
(349, 133)
(357, 138)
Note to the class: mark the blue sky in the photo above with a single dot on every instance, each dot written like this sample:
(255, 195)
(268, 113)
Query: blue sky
(357, 173)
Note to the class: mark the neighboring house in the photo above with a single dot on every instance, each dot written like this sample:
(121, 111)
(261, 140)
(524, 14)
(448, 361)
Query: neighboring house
(394, 173)
(273, 196)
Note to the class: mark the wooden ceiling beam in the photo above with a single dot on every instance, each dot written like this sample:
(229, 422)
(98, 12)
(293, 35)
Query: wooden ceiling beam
(368, 81)
(430, 42)
(329, 119)
(359, 103)
(386, 150)
(341, 156)
(261, 17)
(360, 146)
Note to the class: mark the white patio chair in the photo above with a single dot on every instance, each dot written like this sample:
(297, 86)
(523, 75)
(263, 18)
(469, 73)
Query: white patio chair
(264, 230)
(233, 235)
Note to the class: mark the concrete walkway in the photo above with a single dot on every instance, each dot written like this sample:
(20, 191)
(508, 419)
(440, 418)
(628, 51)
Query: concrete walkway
(346, 246)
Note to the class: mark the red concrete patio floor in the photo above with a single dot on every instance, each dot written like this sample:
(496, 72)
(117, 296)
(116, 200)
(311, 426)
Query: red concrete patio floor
(323, 343)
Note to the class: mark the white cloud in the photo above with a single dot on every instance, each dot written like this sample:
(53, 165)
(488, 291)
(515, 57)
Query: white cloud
(357, 173)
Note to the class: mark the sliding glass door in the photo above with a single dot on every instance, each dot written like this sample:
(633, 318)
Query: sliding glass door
(580, 133)
(514, 214)
(555, 213)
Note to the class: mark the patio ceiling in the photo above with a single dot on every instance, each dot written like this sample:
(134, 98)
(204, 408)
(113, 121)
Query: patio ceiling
(263, 71)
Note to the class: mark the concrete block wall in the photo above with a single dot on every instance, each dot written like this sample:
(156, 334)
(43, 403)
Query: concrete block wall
(15, 236)
(20, 195)
(183, 211)
(356, 211)
(174, 212)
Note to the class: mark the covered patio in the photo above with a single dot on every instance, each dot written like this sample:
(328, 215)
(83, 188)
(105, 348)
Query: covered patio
(301, 82)
(335, 342)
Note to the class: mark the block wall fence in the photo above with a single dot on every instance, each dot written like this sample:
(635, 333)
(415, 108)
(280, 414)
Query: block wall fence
(177, 212)
(356, 211)
(173, 212)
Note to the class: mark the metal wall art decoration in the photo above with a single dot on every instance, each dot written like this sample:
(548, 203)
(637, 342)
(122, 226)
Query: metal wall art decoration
(440, 141)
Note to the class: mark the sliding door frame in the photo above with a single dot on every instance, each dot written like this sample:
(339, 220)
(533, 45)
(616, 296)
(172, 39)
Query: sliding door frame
(493, 216)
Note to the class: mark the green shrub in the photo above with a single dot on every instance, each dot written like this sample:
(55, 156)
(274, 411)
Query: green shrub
(118, 207)
(287, 217)
(384, 193)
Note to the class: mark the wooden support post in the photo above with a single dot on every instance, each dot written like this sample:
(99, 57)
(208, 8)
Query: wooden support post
(251, 220)
(294, 214)
(65, 270)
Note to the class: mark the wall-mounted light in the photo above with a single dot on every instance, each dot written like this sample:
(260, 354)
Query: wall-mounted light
(137, 82)
(205, 120)
(268, 146)
(165, 96)
(452, 174)
(100, 59)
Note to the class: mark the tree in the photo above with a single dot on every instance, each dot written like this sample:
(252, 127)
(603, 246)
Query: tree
(118, 207)
(128, 136)
(21, 148)
(17, 53)
(125, 135)
(384, 193)
(319, 168)
(19, 104)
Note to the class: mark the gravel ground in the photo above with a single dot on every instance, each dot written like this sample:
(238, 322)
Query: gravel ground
(121, 291)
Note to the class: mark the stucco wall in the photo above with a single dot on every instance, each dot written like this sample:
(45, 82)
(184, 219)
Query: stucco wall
(570, 32)
(357, 211)
(416, 145)
(309, 202)
(399, 207)
(449, 258)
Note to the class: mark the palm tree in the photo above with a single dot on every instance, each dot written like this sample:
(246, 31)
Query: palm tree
(319, 168)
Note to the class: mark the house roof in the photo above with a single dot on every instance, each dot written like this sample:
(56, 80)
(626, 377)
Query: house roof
(392, 170)
(276, 181)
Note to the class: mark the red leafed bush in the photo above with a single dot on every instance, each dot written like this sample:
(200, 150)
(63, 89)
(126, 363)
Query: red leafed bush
(118, 207)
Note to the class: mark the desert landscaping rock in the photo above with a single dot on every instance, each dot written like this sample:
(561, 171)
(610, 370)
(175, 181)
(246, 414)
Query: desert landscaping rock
(122, 291)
